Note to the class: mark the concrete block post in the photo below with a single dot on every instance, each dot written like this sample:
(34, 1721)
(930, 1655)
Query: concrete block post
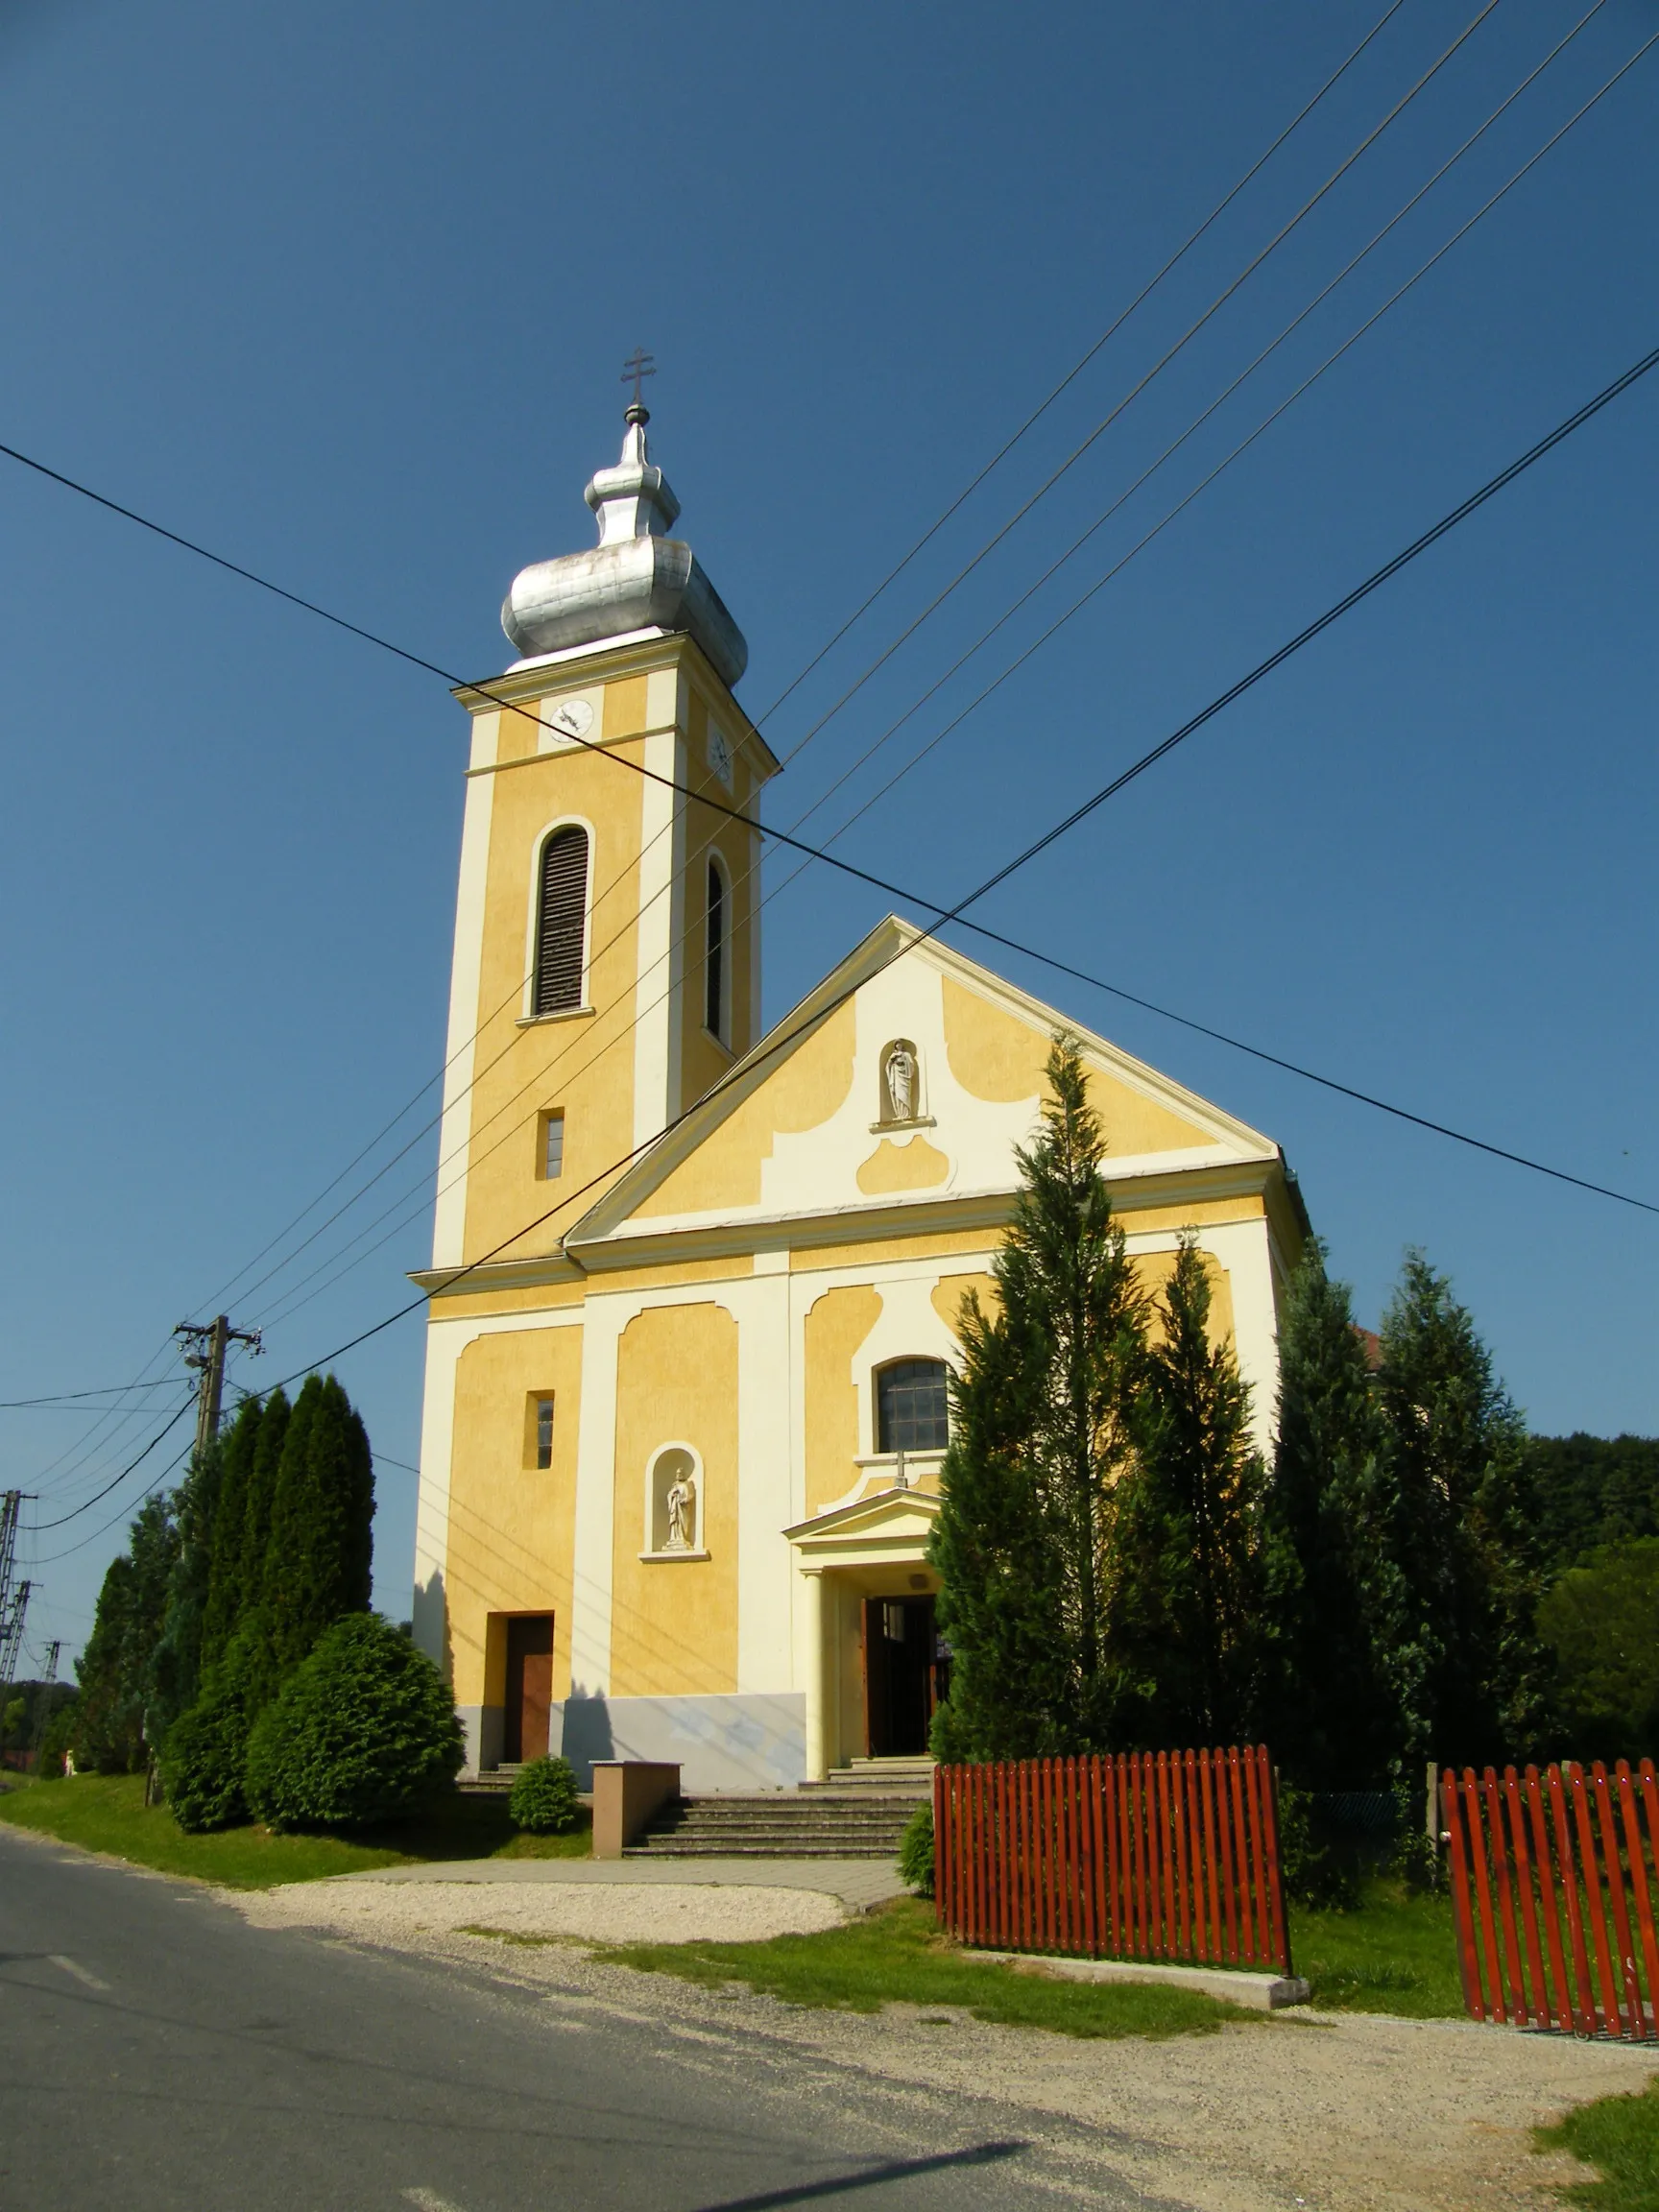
(627, 1792)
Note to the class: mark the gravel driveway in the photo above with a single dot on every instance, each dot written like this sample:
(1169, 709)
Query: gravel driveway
(1341, 2112)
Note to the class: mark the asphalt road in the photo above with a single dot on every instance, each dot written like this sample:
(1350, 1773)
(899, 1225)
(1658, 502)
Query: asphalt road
(156, 2052)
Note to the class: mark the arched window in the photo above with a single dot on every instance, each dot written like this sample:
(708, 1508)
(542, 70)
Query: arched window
(560, 917)
(912, 1407)
(715, 966)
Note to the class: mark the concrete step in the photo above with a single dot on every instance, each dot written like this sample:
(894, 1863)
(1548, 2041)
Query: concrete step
(671, 1848)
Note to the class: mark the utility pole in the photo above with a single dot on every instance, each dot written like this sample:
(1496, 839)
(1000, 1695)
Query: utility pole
(12, 1618)
(208, 1342)
(43, 1700)
(14, 1604)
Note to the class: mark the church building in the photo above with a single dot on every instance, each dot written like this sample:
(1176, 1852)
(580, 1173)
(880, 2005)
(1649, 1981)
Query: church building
(694, 1286)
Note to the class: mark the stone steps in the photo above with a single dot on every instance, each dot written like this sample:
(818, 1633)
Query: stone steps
(823, 1823)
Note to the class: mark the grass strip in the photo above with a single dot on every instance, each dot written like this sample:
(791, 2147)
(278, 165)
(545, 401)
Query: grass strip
(107, 1813)
(896, 1954)
(1394, 1954)
(1620, 2135)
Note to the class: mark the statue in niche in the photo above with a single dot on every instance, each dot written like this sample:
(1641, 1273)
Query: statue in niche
(681, 1504)
(898, 1072)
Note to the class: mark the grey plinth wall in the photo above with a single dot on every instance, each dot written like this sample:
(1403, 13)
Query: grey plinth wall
(754, 1742)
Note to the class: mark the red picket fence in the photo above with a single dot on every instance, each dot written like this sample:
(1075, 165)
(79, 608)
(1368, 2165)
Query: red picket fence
(1166, 1854)
(1553, 1885)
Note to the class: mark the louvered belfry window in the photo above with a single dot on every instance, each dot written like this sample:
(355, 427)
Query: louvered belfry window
(714, 975)
(559, 922)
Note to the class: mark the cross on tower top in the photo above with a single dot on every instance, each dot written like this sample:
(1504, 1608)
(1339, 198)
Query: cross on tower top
(635, 370)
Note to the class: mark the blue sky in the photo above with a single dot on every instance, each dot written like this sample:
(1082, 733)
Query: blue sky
(345, 291)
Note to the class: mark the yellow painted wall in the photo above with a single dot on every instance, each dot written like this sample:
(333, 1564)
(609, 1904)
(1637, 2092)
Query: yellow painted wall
(914, 1166)
(951, 1290)
(997, 1056)
(674, 1623)
(511, 1525)
(836, 1325)
(583, 1064)
(805, 1088)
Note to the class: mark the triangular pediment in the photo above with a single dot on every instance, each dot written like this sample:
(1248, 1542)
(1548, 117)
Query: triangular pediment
(883, 1519)
(808, 1124)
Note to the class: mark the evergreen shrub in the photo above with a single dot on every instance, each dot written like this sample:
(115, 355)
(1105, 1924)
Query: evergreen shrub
(543, 1797)
(364, 1730)
(206, 1751)
(916, 1851)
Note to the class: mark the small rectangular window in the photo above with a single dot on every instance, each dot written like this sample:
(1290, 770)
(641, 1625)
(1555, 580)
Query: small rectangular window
(543, 1431)
(552, 1150)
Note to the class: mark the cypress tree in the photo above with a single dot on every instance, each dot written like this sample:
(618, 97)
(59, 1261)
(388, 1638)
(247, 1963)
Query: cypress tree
(260, 1500)
(176, 1666)
(1188, 1537)
(319, 1557)
(1460, 1523)
(1042, 1434)
(113, 1670)
(224, 1577)
(1331, 1714)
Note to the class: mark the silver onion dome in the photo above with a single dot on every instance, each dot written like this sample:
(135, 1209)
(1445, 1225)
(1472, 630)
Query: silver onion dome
(636, 578)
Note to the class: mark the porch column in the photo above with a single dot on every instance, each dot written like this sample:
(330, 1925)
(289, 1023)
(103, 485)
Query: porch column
(817, 1764)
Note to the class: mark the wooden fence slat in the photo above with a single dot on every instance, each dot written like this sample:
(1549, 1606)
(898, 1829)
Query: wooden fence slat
(1642, 1891)
(1483, 1894)
(1537, 2003)
(1211, 1852)
(1257, 1883)
(1566, 1863)
(1241, 1853)
(1626, 1987)
(1604, 2002)
(1550, 1904)
(1504, 1892)
(1192, 1869)
(1463, 1911)
(1279, 1921)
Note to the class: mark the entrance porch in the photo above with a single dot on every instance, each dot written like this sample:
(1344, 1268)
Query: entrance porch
(872, 1663)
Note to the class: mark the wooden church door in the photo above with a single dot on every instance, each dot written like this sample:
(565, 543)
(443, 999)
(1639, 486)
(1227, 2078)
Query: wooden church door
(529, 1688)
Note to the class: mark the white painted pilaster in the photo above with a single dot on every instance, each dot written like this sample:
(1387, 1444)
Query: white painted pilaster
(450, 1214)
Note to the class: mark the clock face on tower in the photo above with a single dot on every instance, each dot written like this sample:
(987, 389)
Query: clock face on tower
(720, 755)
(571, 719)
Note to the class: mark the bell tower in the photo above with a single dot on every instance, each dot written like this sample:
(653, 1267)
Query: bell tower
(607, 962)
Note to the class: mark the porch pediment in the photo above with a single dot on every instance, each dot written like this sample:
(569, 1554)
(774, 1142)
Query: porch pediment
(891, 1523)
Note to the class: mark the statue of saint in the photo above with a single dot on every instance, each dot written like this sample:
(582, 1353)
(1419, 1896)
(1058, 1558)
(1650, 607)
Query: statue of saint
(901, 1084)
(681, 1502)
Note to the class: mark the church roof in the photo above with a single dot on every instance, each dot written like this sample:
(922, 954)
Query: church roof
(636, 578)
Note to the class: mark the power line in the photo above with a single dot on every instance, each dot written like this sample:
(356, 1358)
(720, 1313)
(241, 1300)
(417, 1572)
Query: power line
(41, 1528)
(1158, 366)
(945, 917)
(1138, 768)
(1071, 374)
(291, 1304)
(358, 630)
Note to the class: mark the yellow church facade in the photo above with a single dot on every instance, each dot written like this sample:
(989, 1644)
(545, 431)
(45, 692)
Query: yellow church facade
(694, 1290)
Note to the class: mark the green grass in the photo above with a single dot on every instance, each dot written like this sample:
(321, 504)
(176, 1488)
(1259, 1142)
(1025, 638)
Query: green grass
(1394, 1953)
(896, 1956)
(107, 1813)
(1620, 2135)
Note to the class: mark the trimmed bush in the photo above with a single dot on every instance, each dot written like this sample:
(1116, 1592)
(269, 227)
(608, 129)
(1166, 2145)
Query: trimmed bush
(206, 1748)
(543, 1797)
(364, 1730)
(916, 1851)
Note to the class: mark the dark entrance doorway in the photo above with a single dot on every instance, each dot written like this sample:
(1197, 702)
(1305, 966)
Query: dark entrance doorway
(529, 1688)
(904, 1675)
